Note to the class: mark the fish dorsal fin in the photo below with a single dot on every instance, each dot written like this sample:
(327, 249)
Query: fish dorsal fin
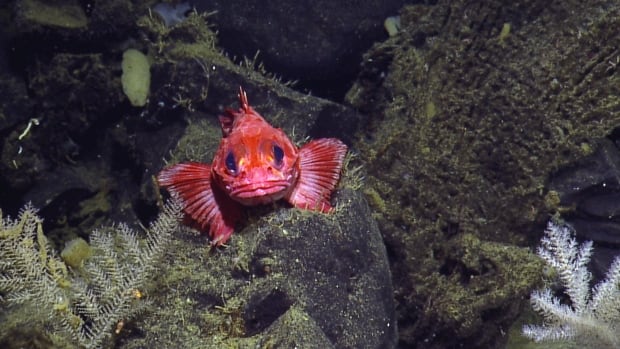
(243, 100)
(227, 119)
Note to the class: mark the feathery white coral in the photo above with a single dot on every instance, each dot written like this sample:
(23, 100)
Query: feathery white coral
(86, 304)
(592, 317)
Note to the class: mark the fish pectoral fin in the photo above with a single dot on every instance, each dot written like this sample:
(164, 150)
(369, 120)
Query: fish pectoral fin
(320, 165)
(207, 207)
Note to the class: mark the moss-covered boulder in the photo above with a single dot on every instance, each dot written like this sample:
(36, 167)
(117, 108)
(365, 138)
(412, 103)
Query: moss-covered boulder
(473, 105)
(288, 276)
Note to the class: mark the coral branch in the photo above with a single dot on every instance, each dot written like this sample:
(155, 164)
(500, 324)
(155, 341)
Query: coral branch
(83, 305)
(592, 317)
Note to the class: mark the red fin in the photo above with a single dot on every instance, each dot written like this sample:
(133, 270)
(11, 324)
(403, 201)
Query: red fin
(203, 202)
(320, 164)
(243, 100)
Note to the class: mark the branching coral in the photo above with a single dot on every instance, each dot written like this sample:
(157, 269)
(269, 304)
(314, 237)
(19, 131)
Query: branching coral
(592, 317)
(84, 305)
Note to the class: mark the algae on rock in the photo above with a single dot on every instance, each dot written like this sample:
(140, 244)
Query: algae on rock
(467, 124)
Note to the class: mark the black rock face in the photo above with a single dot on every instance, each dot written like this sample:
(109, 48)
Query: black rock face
(319, 43)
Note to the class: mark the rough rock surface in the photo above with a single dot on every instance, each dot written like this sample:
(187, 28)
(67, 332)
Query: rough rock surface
(320, 43)
(473, 105)
(288, 277)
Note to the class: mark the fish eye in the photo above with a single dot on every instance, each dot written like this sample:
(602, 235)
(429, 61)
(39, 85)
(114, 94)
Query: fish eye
(231, 164)
(278, 154)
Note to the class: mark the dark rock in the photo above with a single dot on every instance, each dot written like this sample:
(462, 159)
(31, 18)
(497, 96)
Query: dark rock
(336, 270)
(319, 43)
(604, 205)
(282, 106)
(603, 232)
(595, 174)
(16, 112)
(295, 329)
(287, 277)
(590, 189)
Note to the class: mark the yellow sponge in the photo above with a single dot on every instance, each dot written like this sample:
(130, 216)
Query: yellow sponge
(136, 78)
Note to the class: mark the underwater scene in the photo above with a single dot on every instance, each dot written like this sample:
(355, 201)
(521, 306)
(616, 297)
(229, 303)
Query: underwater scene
(309, 174)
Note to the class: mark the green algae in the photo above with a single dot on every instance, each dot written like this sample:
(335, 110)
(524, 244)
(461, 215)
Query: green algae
(68, 14)
(207, 298)
(191, 38)
(507, 113)
(504, 34)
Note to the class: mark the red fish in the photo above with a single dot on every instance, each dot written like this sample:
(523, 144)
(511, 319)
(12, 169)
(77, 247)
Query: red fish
(254, 164)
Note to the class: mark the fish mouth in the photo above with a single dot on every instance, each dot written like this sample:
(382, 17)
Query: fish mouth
(260, 193)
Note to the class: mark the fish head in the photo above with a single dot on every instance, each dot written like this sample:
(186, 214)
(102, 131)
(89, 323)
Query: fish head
(256, 163)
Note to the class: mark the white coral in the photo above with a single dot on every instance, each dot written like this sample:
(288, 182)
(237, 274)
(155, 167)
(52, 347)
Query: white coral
(592, 316)
(83, 305)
